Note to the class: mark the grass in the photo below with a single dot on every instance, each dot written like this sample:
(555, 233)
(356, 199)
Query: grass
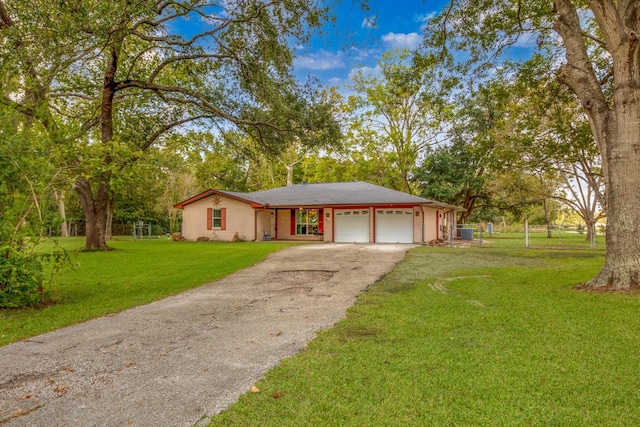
(478, 336)
(481, 336)
(539, 240)
(136, 273)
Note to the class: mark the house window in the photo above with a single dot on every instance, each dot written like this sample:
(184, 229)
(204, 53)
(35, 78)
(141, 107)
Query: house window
(307, 221)
(216, 218)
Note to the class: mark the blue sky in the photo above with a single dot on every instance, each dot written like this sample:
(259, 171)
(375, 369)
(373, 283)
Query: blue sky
(359, 38)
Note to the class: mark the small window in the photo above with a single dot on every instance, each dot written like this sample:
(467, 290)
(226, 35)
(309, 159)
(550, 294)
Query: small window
(216, 218)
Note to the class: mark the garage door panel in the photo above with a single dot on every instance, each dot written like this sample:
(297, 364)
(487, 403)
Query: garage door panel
(394, 226)
(351, 226)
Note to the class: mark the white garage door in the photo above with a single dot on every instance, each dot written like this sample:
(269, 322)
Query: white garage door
(351, 225)
(394, 225)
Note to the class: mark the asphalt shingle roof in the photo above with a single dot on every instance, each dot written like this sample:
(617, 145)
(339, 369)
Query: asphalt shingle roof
(324, 194)
(336, 193)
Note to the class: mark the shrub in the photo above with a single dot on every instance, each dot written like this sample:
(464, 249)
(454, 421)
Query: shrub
(22, 277)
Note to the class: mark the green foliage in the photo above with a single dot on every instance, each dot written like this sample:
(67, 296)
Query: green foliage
(471, 38)
(25, 209)
(450, 174)
(114, 80)
(22, 274)
(460, 172)
(396, 113)
(21, 278)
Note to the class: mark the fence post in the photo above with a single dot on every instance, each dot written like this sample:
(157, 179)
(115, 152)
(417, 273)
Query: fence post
(453, 227)
(526, 233)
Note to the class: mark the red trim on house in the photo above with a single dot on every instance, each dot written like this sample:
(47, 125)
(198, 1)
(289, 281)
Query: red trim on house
(210, 192)
(195, 198)
(209, 218)
(371, 207)
(333, 225)
(374, 225)
(275, 228)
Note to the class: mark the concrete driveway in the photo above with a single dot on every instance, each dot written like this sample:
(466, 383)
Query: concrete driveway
(180, 360)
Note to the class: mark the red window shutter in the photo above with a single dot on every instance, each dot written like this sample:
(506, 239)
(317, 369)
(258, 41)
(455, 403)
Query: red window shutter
(320, 221)
(209, 218)
(223, 218)
(293, 222)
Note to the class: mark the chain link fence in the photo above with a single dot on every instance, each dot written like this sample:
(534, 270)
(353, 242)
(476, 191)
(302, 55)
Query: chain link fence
(529, 236)
(563, 237)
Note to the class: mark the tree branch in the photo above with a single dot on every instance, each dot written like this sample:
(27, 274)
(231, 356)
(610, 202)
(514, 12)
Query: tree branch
(5, 18)
(196, 98)
(609, 22)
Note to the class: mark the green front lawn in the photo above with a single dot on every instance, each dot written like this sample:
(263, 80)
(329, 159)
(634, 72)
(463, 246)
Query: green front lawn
(466, 337)
(137, 272)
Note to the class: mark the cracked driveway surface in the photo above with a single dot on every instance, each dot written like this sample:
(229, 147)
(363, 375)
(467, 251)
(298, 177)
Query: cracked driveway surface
(177, 361)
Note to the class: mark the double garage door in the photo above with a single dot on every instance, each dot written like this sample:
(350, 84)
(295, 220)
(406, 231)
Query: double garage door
(392, 225)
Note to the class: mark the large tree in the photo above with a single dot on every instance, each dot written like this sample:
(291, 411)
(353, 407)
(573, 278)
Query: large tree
(545, 134)
(109, 80)
(398, 107)
(601, 65)
(455, 174)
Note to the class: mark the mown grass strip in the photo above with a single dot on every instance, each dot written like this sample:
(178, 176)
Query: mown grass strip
(465, 337)
(135, 273)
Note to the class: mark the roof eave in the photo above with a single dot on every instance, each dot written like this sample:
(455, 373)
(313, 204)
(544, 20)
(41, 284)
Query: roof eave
(211, 192)
(433, 203)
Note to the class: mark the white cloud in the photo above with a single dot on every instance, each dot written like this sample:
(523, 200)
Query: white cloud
(363, 55)
(527, 40)
(402, 41)
(423, 19)
(321, 60)
(366, 71)
(369, 22)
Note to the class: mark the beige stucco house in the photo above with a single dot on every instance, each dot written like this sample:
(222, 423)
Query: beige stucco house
(328, 212)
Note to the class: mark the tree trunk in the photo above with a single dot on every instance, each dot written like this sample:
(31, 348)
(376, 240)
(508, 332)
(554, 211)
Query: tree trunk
(545, 205)
(108, 226)
(590, 222)
(95, 209)
(621, 269)
(615, 126)
(64, 227)
(289, 174)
